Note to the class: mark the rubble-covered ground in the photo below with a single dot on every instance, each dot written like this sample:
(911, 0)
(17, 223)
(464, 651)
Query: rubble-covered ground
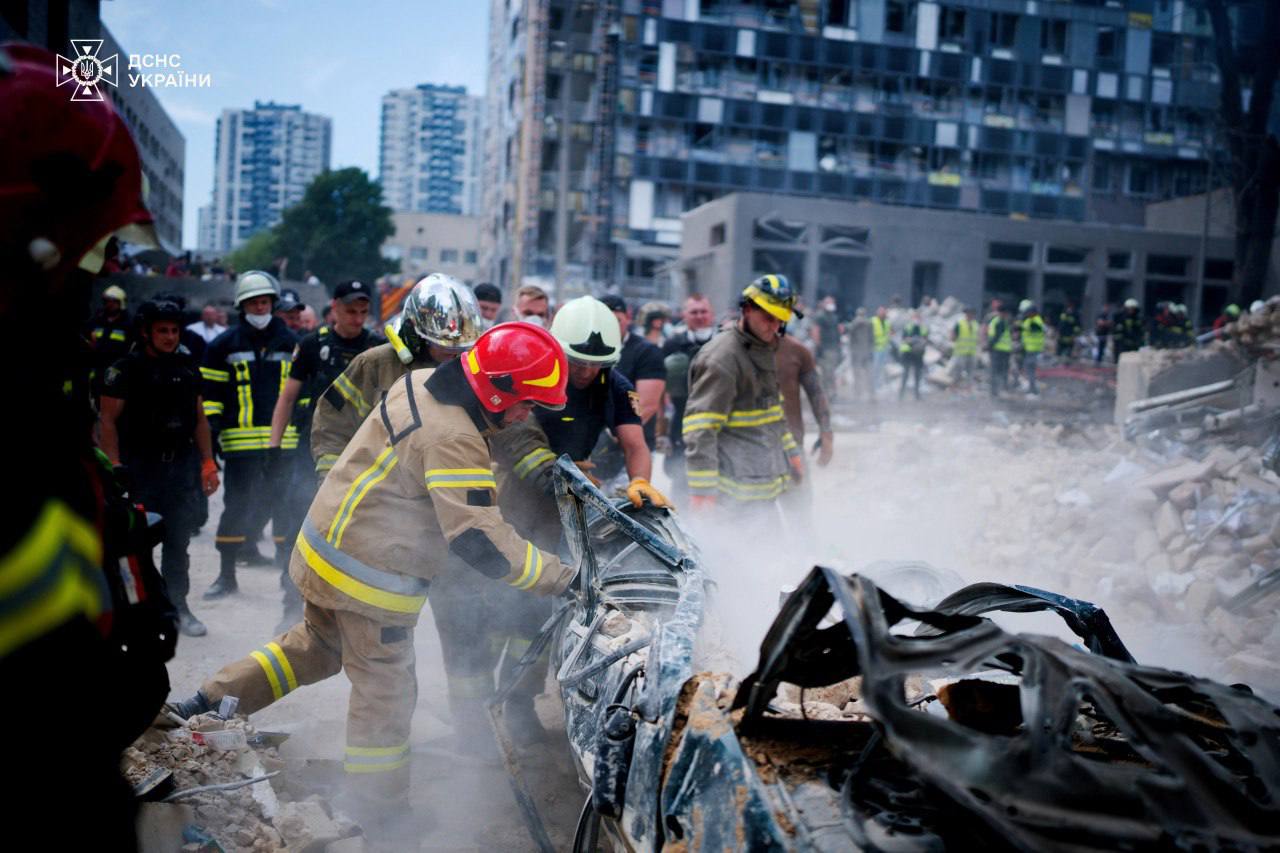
(1040, 492)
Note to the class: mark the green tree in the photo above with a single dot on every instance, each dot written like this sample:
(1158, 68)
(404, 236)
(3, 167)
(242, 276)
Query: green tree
(337, 230)
(257, 253)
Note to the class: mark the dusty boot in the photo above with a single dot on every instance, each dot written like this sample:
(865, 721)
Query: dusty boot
(188, 624)
(522, 721)
(225, 585)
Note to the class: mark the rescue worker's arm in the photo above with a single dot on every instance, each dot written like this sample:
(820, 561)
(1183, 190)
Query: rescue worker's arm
(634, 450)
(283, 412)
(711, 394)
(821, 414)
(524, 449)
(109, 434)
(463, 492)
(204, 443)
(217, 386)
(650, 393)
(338, 414)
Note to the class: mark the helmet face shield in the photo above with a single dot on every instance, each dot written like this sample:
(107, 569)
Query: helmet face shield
(442, 312)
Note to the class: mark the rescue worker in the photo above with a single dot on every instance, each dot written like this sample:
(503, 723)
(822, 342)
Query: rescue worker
(1069, 328)
(413, 488)
(640, 361)
(825, 333)
(881, 333)
(110, 335)
(289, 309)
(70, 177)
(153, 426)
(1229, 315)
(1000, 347)
(318, 359)
(736, 437)
(1032, 331)
(861, 350)
(964, 345)
(599, 398)
(1103, 327)
(439, 320)
(1180, 332)
(1128, 331)
(915, 337)
(489, 299)
(244, 370)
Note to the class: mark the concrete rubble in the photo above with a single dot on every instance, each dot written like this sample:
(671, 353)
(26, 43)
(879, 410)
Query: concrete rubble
(249, 819)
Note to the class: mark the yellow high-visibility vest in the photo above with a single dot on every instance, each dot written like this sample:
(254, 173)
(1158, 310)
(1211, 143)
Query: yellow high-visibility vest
(1033, 334)
(881, 329)
(1004, 343)
(966, 337)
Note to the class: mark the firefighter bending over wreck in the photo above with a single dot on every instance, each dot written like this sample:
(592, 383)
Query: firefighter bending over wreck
(413, 487)
(736, 439)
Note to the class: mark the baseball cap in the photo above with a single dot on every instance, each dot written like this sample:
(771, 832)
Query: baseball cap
(614, 302)
(350, 291)
(289, 301)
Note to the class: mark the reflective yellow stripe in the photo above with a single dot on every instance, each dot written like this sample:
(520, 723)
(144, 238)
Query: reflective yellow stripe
(788, 441)
(277, 692)
(215, 375)
(460, 478)
(370, 477)
(117, 335)
(212, 407)
(880, 329)
(532, 460)
(285, 368)
(244, 394)
(283, 660)
(358, 590)
(705, 416)
(532, 568)
(326, 461)
(376, 759)
(352, 394)
(49, 577)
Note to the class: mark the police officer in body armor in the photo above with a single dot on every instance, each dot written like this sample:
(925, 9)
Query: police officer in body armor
(244, 369)
(153, 425)
(319, 358)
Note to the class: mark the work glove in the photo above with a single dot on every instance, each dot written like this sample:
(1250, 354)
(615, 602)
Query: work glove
(701, 503)
(639, 488)
(825, 448)
(586, 466)
(209, 481)
(797, 468)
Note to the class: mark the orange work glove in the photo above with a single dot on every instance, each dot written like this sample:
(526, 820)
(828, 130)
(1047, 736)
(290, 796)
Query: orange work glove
(209, 477)
(797, 468)
(639, 489)
(702, 502)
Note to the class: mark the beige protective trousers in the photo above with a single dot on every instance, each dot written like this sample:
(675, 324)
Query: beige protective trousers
(378, 660)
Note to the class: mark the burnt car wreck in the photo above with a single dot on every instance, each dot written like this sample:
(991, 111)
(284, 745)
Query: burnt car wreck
(871, 724)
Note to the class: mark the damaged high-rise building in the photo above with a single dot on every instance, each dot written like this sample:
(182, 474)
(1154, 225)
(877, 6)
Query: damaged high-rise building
(1082, 111)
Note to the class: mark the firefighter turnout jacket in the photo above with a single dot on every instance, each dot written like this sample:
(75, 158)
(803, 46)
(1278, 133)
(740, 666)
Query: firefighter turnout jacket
(244, 371)
(413, 486)
(339, 411)
(736, 439)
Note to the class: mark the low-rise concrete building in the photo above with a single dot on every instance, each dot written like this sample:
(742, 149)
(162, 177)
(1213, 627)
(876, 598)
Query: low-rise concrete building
(436, 242)
(868, 254)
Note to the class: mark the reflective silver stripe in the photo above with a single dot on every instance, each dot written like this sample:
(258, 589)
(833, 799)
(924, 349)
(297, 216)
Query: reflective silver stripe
(348, 565)
(234, 357)
(280, 356)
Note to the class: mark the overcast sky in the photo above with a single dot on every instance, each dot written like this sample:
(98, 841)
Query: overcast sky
(334, 57)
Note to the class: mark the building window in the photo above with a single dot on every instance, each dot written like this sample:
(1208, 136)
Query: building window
(1171, 265)
(717, 234)
(1066, 255)
(470, 257)
(779, 262)
(899, 16)
(1020, 252)
(951, 25)
(418, 253)
(780, 230)
(1108, 43)
(1004, 29)
(1218, 268)
(1118, 260)
(1053, 37)
(448, 256)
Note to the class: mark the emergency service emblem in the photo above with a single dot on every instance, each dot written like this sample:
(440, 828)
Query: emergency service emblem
(87, 70)
(324, 353)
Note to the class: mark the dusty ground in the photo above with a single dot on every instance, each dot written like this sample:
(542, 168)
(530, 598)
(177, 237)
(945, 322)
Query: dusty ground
(932, 481)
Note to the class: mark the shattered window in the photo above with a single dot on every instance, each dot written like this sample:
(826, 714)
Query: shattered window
(780, 230)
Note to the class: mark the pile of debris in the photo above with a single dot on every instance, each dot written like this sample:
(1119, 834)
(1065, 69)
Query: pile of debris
(1258, 331)
(209, 785)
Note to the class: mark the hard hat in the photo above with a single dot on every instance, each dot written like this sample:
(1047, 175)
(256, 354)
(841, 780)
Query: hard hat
(440, 310)
(115, 292)
(1256, 306)
(588, 331)
(70, 175)
(156, 310)
(1025, 305)
(1131, 303)
(773, 294)
(256, 283)
(1180, 308)
(1233, 310)
(513, 362)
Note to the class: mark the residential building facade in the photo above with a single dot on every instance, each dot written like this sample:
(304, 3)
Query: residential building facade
(1082, 111)
(264, 158)
(436, 242)
(430, 151)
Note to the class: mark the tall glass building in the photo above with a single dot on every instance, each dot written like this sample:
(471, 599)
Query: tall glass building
(430, 151)
(1081, 110)
(264, 158)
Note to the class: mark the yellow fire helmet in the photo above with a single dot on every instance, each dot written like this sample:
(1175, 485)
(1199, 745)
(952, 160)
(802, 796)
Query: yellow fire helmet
(773, 293)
